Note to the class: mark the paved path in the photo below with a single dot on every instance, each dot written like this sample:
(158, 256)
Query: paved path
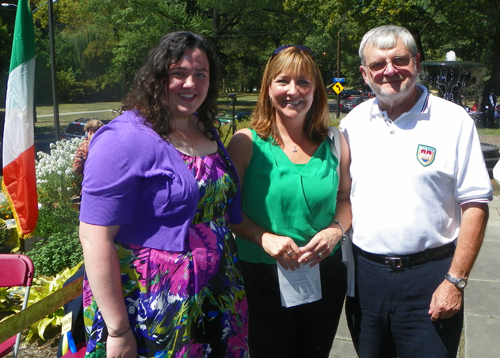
(481, 335)
(71, 113)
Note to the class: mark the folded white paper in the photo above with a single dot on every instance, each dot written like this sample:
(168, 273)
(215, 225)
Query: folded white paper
(300, 286)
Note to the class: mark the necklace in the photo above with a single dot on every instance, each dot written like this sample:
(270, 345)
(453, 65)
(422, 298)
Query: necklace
(295, 144)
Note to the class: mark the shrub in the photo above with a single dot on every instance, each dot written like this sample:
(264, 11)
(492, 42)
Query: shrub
(8, 235)
(56, 218)
(5, 211)
(59, 246)
(56, 182)
(57, 252)
(4, 246)
(8, 238)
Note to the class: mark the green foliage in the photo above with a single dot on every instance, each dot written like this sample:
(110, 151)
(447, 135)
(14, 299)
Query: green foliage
(43, 287)
(69, 87)
(61, 218)
(8, 233)
(438, 26)
(8, 238)
(57, 224)
(7, 16)
(5, 211)
(4, 295)
(57, 252)
(9, 300)
(99, 55)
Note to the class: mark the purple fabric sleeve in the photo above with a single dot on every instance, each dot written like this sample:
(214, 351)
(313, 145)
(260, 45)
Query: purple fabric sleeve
(136, 179)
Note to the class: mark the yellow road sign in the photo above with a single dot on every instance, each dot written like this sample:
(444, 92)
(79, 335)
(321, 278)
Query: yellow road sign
(338, 88)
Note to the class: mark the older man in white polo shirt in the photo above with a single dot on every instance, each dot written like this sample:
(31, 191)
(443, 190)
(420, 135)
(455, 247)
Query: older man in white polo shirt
(420, 193)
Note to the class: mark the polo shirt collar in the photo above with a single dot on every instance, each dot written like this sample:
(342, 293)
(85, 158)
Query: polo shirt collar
(421, 107)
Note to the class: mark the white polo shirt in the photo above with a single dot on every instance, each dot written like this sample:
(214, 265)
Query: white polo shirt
(410, 176)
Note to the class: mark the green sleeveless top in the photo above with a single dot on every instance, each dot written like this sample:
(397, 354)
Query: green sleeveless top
(286, 200)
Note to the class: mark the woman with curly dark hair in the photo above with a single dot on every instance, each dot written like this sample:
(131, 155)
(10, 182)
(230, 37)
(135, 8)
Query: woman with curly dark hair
(149, 92)
(158, 195)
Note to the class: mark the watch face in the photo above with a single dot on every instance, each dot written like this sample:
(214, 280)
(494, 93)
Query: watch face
(460, 283)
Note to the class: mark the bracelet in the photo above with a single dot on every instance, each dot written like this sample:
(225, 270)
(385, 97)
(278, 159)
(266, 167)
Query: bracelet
(341, 228)
(119, 335)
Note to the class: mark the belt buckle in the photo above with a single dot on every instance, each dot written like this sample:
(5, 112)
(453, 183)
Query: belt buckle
(392, 261)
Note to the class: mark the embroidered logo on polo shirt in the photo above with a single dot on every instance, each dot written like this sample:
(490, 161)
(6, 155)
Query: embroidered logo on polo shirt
(426, 154)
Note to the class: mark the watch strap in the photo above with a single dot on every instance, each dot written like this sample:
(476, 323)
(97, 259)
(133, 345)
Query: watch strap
(460, 283)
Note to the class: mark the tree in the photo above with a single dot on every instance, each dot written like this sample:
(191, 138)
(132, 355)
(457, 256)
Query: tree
(470, 28)
(98, 55)
(7, 19)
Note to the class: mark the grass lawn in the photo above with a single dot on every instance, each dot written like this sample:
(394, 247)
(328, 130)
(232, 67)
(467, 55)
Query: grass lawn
(77, 107)
(488, 131)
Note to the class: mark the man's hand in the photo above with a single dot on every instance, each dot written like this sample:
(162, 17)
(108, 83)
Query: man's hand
(446, 301)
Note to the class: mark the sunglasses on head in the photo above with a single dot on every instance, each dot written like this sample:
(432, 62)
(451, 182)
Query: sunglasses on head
(398, 61)
(299, 47)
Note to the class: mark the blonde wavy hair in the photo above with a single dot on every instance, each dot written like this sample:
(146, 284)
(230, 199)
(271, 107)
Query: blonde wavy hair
(292, 61)
(93, 125)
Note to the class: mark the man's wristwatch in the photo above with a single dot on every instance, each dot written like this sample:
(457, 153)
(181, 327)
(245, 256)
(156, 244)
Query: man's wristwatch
(460, 283)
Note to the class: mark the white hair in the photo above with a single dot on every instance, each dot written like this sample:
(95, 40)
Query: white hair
(385, 37)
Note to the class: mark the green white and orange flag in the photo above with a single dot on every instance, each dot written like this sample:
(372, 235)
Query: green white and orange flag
(19, 180)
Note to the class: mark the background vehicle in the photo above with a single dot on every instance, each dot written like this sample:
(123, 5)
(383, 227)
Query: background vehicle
(350, 103)
(238, 117)
(332, 106)
(242, 116)
(349, 93)
(75, 128)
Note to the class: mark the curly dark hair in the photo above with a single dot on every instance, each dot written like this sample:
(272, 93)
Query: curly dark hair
(148, 95)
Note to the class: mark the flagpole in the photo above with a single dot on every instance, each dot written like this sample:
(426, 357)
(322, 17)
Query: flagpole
(53, 71)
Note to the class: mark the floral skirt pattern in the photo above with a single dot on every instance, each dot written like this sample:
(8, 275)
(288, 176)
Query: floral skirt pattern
(180, 305)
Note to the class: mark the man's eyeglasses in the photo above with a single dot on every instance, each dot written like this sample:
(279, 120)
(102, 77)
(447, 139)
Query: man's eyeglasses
(299, 47)
(399, 61)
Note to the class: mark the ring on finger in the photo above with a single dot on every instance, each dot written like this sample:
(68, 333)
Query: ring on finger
(289, 253)
(320, 255)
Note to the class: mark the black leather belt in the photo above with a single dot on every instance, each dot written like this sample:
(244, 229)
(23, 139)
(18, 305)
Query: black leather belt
(402, 261)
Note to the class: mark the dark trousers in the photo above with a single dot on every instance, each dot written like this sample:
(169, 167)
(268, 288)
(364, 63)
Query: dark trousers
(303, 331)
(491, 117)
(389, 315)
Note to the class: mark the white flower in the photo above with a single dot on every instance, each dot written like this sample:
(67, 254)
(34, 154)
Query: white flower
(54, 171)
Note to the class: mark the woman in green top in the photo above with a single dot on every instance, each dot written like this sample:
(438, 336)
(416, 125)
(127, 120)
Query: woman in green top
(296, 206)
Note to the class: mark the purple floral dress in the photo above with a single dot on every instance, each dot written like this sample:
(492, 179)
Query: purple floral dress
(189, 304)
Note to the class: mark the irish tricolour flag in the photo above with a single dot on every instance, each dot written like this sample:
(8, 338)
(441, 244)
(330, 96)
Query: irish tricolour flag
(19, 181)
